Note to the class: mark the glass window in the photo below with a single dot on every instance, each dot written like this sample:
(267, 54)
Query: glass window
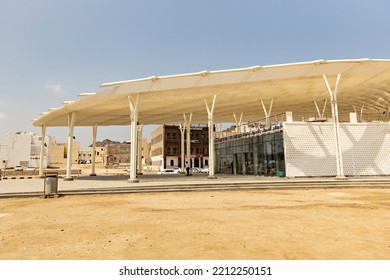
(260, 155)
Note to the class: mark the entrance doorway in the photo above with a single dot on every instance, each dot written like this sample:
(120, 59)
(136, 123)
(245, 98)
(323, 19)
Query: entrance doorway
(196, 162)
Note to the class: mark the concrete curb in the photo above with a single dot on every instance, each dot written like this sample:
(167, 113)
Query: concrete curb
(215, 186)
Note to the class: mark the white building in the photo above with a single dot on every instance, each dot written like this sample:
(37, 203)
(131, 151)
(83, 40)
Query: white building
(24, 149)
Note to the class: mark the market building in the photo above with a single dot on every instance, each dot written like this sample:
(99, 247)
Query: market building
(305, 148)
(336, 114)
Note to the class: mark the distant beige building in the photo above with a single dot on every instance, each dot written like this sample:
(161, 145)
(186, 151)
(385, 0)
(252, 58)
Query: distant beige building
(145, 150)
(157, 147)
(115, 154)
(85, 155)
(59, 153)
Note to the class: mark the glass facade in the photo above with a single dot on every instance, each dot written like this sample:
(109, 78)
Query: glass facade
(258, 155)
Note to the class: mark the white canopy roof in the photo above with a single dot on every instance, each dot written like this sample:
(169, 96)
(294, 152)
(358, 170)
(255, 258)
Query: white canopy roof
(293, 87)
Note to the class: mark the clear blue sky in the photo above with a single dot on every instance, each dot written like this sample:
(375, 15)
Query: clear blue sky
(52, 50)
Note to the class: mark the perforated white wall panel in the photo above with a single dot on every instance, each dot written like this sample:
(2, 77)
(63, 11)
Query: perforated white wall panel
(310, 149)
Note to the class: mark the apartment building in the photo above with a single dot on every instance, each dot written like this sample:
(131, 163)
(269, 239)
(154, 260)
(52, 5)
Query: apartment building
(22, 148)
(166, 146)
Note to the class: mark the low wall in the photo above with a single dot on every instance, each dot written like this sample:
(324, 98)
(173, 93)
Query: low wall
(35, 173)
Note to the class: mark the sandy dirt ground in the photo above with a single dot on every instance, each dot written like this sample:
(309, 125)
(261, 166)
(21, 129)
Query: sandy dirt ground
(281, 224)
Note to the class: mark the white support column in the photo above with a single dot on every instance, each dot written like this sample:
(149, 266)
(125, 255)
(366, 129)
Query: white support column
(182, 131)
(140, 129)
(238, 123)
(267, 113)
(94, 134)
(71, 121)
(42, 153)
(188, 131)
(210, 112)
(336, 126)
(133, 151)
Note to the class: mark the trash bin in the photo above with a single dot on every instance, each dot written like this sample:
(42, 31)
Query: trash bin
(51, 185)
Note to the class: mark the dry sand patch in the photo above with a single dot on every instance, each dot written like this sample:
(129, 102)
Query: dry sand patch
(266, 224)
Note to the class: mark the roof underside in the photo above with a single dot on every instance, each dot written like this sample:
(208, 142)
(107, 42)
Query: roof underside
(293, 87)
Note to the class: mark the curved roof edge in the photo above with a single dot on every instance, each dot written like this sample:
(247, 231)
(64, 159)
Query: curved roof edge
(256, 67)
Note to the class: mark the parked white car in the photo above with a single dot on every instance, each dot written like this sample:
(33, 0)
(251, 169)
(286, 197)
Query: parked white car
(177, 169)
(169, 171)
(195, 170)
(18, 168)
(204, 170)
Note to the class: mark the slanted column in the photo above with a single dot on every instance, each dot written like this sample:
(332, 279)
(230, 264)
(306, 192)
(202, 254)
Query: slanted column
(360, 118)
(267, 112)
(210, 113)
(42, 153)
(188, 132)
(134, 102)
(182, 130)
(140, 129)
(71, 121)
(321, 114)
(361, 113)
(336, 126)
(94, 134)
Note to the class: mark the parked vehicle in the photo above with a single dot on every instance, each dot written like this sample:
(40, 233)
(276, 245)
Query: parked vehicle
(18, 168)
(177, 169)
(30, 168)
(169, 171)
(195, 170)
(204, 170)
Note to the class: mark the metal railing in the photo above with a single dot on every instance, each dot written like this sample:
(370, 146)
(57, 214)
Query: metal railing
(250, 129)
